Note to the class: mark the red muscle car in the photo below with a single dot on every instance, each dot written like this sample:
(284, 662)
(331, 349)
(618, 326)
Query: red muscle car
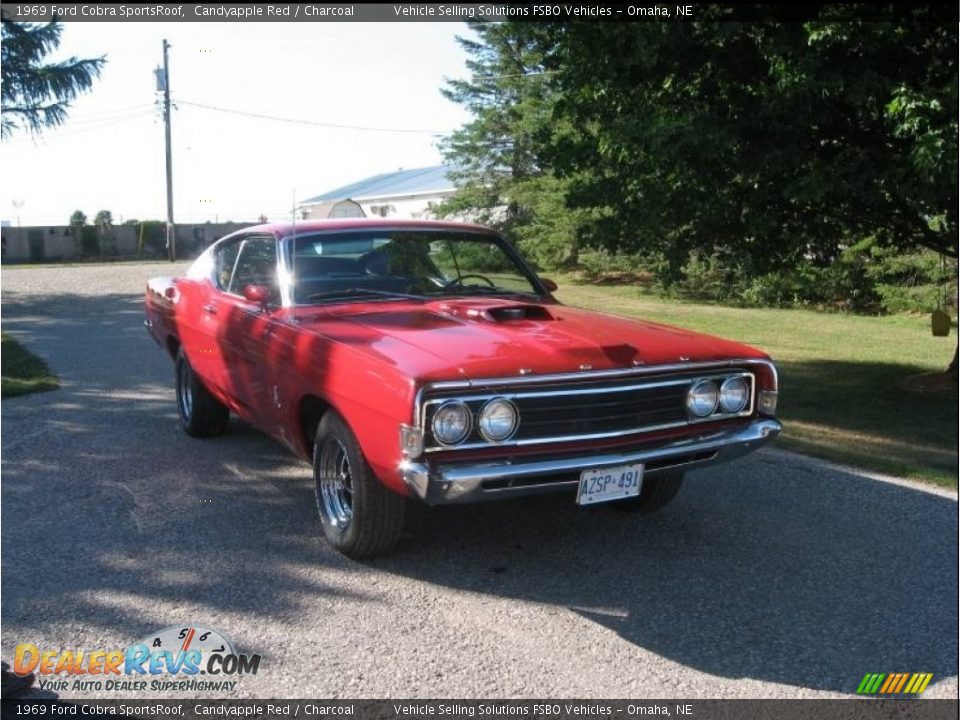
(416, 359)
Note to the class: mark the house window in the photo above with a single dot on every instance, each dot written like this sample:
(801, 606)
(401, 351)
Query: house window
(382, 210)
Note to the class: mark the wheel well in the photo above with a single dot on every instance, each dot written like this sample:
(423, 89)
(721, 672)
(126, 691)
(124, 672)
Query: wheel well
(173, 346)
(312, 410)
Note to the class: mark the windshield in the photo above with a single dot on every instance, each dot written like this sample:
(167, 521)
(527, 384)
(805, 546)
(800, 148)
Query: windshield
(382, 264)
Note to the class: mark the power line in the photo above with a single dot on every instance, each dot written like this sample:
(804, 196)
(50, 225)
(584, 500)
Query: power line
(102, 114)
(315, 123)
(70, 131)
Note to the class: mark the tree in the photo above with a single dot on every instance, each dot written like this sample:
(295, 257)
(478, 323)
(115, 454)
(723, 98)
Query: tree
(36, 94)
(103, 220)
(106, 241)
(502, 180)
(766, 142)
(84, 236)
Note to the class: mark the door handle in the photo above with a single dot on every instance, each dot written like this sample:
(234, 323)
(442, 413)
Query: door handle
(210, 309)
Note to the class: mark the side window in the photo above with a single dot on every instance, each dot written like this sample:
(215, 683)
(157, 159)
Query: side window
(225, 261)
(256, 265)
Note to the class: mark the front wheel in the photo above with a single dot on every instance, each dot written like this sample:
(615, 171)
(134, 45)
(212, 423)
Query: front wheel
(657, 492)
(201, 414)
(360, 517)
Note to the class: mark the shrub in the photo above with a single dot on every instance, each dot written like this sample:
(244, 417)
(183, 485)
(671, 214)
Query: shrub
(602, 265)
(864, 278)
(912, 282)
(153, 238)
(89, 244)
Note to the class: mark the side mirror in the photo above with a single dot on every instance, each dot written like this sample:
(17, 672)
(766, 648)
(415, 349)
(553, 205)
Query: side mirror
(549, 284)
(259, 294)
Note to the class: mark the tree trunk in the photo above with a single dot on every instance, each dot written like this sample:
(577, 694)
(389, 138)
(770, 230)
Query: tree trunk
(572, 260)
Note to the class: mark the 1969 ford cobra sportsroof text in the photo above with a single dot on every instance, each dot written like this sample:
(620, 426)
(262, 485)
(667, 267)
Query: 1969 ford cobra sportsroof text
(427, 360)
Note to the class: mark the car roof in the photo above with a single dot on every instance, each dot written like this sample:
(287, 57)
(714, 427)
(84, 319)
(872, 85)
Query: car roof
(284, 229)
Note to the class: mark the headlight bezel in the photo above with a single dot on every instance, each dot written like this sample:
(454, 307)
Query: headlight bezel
(481, 416)
(723, 383)
(467, 428)
(735, 409)
(703, 383)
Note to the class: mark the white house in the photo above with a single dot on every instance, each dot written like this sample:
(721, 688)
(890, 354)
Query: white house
(401, 194)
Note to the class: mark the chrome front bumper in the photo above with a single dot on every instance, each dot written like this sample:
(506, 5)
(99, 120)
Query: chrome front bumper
(442, 484)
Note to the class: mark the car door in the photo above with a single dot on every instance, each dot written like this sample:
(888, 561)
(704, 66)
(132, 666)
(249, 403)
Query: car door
(200, 314)
(247, 326)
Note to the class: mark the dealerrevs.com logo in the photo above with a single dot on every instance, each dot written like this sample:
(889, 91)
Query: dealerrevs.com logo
(176, 658)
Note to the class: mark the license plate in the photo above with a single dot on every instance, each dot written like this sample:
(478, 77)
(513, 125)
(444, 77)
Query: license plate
(611, 483)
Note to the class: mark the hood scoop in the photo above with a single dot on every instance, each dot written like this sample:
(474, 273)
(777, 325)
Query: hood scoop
(499, 314)
(516, 313)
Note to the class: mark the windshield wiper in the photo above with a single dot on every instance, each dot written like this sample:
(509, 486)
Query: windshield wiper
(480, 290)
(359, 293)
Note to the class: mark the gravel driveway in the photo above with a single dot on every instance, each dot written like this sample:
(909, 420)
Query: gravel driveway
(776, 576)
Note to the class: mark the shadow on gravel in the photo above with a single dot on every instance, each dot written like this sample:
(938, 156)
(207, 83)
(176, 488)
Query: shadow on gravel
(109, 509)
(774, 573)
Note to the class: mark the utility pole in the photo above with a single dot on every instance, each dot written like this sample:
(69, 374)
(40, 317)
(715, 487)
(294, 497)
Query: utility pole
(171, 235)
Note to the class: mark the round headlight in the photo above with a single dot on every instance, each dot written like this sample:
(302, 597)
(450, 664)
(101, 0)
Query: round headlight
(734, 395)
(702, 398)
(498, 420)
(451, 422)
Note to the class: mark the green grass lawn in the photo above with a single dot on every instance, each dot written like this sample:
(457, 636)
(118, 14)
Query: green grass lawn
(841, 377)
(22, 372)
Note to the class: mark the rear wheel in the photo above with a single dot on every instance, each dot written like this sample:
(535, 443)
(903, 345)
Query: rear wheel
(201, 414)
(360, 517)
(656, 493)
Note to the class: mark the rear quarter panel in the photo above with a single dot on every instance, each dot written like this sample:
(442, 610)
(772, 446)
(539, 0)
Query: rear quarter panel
(161, 295)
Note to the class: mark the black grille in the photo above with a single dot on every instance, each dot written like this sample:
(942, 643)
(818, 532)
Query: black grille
(584, 407)
(600, 413)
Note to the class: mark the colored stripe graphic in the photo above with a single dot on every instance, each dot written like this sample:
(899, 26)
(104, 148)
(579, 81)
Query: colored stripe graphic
(891, 682)
(918, 683)
(874, 684)
(894, 683)
(899, 686)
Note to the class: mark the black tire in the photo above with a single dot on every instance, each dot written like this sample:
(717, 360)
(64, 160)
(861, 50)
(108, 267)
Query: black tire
(656, 493)
(360, 517)
(201, 414)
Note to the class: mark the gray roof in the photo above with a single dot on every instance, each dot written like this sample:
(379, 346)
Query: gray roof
(402, 182)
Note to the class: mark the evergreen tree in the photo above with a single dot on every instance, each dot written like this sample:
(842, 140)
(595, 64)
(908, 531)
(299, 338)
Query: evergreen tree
(501, 177)
(36, 94)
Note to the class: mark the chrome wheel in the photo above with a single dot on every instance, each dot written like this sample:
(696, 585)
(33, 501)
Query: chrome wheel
(201, 414)
(335, 483)
(360, 517)
(184, 393)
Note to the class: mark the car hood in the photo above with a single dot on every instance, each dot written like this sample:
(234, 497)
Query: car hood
(474, 338)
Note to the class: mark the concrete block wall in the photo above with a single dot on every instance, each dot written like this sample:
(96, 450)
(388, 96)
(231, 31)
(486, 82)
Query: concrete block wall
(53, 243)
